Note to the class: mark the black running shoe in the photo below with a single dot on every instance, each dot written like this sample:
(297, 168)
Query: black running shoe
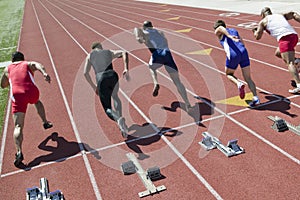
(47, 125)
(18, 160)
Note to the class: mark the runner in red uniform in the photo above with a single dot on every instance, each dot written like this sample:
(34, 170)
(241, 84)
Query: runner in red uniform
(277, 25)
(23, 91)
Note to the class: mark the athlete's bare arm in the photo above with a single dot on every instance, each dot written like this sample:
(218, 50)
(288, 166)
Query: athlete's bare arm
(124, 55)
(4, 78)
(260, 28)
(139, 35)
(86, 72)
(38, 66)
(220, 31)
(292, 15)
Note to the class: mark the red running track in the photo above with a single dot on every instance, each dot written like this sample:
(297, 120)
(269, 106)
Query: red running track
(84, 163)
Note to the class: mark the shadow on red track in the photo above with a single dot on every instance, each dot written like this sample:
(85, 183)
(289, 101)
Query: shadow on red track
(59, 152)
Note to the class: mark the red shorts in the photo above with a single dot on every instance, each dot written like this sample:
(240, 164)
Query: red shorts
(21, 100)
(288, 43)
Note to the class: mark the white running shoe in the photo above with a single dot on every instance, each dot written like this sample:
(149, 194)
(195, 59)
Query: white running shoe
(295, 90)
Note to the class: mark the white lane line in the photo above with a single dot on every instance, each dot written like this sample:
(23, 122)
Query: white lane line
(195, 172)
(86, 161)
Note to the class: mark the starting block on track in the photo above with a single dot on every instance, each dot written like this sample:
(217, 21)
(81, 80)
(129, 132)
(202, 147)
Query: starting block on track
(281, 125)
(128, 168)
(210, 142)
(147, 177)
(42, 193)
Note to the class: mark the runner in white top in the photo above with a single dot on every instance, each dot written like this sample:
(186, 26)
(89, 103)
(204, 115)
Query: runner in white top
(278, 26)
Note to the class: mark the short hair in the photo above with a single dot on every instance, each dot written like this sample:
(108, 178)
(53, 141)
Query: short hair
(17, 56)
(147, 24)
(219, 23)
(96, 45)
(265, 11)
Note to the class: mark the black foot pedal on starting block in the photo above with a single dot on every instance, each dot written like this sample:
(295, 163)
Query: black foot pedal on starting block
(154, 173)
(207, 142)
(128, 168)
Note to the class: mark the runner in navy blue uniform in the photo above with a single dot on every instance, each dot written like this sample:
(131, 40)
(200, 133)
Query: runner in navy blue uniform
(160, 55)
(236, 54)
(107, 81)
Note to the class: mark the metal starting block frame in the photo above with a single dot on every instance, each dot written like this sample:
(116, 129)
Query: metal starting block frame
(210, 142)
(281, 125)
(152, 174)
(42, 193)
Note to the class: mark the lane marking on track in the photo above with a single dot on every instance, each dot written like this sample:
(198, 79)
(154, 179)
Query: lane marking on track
(167, 10)
(187, 30)
(173, 18)
(200, 52)
(86, 161)
(184, 160)
(237, 101)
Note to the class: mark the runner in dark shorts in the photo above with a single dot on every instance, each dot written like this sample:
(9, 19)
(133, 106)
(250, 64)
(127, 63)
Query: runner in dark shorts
(107, 81)
(160, 55)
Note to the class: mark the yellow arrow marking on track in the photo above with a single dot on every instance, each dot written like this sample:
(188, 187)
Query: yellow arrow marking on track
(174, 18)
(237, 101)
(184, 30)
(167, 10)
(201, 52)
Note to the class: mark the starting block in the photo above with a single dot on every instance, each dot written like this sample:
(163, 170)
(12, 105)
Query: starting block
(281, 125)
(128, 168)
(152, 174)
(207, 142)
(210, 142)
(42, 193)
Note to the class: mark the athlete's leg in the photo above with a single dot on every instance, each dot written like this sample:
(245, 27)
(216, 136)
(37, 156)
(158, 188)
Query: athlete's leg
(18, 119)
(180, 88)
(230, 75)
(153, 73)
(105, 95)
(41, 112)
(277, 53)
(248, 79)
(289, 58)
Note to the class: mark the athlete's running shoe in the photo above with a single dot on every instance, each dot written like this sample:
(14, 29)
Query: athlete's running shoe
(295, 90)
(254, 103)
(241, 88)
(47, 125)
(155, 90)
(19, 158)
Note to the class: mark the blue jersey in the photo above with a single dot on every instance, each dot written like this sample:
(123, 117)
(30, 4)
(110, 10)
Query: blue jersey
(236, 52)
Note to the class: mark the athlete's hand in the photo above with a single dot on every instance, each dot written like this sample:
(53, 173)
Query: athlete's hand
(235, 38)
(47, 77)
(254, 29)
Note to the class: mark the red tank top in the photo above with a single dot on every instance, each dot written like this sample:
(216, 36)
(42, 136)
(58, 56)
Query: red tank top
(20, 77)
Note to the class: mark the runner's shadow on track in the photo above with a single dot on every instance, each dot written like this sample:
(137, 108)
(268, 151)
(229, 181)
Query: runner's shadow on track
(196, 111)
(282, 105)
(61, 151)
(144, 135)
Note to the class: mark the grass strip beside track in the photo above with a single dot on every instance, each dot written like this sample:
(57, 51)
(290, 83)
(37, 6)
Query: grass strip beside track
(10, 23)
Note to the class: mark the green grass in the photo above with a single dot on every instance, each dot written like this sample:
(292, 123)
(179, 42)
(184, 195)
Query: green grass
(10, 23)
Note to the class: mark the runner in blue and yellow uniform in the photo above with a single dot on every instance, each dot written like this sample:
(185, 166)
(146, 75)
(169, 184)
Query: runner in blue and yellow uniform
(236, 54)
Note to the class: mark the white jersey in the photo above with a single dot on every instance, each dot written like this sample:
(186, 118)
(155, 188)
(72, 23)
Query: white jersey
(278, 26)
